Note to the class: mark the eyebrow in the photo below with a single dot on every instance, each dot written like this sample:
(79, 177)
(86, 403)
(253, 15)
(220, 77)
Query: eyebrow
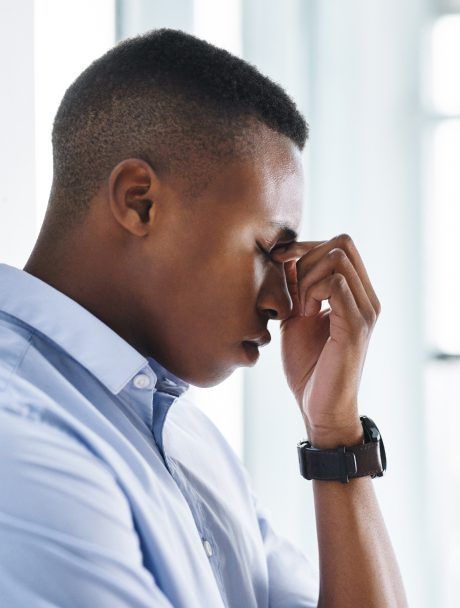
(285, 232)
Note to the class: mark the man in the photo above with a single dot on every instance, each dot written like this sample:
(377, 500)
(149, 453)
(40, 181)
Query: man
(168, 244)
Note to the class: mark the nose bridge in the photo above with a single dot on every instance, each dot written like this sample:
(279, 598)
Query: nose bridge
(274, 294)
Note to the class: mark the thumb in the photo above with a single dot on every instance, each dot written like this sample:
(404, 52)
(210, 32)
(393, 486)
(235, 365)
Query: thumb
(291, 280)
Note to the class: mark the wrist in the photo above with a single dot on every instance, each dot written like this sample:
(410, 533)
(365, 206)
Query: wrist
(343, 452)
(329, 438)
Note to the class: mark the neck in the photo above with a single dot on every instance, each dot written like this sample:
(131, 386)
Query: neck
(83, 270)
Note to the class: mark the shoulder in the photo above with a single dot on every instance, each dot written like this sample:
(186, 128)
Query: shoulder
(14, 343)
(54, 481)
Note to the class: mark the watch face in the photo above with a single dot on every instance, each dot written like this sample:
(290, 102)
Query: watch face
(370, 429)
(383, 456)
(372, 433)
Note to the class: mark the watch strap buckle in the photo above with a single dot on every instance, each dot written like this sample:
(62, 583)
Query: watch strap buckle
(349, 464)
(338, 463)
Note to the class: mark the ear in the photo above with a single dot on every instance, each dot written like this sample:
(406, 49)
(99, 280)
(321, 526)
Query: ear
(132, 190)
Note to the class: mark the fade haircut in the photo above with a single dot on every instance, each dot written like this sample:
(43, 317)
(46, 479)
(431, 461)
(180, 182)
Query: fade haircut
(166, 97)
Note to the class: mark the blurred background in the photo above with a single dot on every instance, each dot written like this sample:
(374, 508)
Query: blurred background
(379, 84)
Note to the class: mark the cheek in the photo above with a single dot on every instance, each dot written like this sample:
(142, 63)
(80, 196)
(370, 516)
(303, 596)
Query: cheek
(224, 275)
(246, 271)
(229, 286)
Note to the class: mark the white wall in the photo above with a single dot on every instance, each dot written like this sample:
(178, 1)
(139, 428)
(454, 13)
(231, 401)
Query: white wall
(66, 42)
(41, 52)
(17, 131)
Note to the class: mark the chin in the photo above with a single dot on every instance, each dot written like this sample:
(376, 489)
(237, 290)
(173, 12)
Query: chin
(212, 377)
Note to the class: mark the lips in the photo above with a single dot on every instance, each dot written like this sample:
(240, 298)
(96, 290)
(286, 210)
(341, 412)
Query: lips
(251, 351)
(261, 340)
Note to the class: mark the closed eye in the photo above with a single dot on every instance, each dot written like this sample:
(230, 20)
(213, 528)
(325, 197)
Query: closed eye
(268, 255)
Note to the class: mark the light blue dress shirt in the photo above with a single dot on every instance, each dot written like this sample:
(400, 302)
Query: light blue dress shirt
(116, 491)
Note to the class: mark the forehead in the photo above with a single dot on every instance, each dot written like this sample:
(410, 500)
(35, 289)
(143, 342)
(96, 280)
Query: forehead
(276, 179)
(263, 188)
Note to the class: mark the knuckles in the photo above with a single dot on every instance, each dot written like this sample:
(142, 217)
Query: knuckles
(371, 318)
(338, 281)
(345, 239)
(337, 255)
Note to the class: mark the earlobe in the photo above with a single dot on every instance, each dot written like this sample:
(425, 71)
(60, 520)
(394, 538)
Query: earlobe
(132, 185)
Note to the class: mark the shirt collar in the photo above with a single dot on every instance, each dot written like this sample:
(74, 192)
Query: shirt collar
(76, 330)
(166, 380)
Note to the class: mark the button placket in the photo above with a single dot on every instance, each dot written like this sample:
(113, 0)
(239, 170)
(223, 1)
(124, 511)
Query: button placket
(207, 547)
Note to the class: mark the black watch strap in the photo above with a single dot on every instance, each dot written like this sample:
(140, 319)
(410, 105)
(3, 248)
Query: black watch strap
(345, 462)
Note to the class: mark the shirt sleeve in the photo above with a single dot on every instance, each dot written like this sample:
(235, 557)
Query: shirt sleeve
(293, 579)
(67, 537)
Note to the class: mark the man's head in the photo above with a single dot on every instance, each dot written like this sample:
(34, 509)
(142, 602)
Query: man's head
(174, 164)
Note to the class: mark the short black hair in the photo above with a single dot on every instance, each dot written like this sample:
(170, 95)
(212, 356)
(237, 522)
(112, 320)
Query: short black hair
(167, 97)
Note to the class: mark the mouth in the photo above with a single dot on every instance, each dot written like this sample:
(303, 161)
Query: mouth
(261, 340)
(251, 350)
(251, 345)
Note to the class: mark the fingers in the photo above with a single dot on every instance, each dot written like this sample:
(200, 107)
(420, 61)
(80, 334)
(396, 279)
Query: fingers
(311, 252)
(336, 289)
(335, 262)
(292, 284)
(296, 250)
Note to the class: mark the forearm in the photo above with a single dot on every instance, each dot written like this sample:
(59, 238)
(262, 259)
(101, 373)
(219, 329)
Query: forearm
(323, 357)
(358, 566)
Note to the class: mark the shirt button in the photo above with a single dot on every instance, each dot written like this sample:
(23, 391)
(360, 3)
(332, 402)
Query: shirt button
(207, 547)
(141, 381)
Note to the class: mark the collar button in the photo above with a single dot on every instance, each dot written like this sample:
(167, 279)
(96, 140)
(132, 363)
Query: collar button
(141, 381)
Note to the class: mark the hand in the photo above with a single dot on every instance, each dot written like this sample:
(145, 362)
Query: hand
(323, 353)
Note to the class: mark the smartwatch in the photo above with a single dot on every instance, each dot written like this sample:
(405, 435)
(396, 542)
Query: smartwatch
(345, 462)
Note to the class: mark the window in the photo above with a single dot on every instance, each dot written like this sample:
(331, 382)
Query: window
(442, 318)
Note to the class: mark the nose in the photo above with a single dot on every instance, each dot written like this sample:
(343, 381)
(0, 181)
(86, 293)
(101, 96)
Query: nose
(274, 298)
